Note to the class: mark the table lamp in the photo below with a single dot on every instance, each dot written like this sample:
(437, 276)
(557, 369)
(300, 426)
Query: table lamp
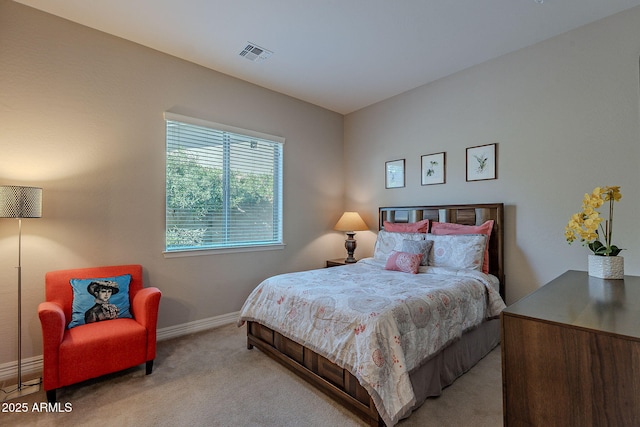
(350, 222)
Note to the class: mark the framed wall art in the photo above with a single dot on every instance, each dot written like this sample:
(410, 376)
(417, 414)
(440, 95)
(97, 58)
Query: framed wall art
(433, 168)
(394, 174)
(481, 162)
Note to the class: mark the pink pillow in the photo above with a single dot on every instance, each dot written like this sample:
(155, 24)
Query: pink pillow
(444, 228)
(412, 227)
(403, 261)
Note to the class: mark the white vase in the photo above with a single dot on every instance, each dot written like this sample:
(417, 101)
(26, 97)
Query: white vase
(606, 267)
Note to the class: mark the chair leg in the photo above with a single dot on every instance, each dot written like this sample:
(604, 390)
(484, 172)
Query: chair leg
(51, 396)
(149, 366)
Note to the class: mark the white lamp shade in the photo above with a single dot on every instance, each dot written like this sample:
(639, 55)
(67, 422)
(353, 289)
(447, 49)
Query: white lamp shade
(350, 221)
(20, 202)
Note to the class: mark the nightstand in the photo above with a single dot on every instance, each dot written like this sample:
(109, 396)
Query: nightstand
(336, 262)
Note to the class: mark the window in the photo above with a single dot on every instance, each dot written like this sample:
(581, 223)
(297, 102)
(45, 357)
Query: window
(224, 187)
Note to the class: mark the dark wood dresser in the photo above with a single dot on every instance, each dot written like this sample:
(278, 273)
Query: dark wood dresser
(571, 354)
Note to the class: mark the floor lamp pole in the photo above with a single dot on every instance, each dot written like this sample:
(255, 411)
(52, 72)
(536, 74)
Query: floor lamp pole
(21, 389)
(19, 267)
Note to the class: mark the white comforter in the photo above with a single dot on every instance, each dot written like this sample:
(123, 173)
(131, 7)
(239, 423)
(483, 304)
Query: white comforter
(378, 324)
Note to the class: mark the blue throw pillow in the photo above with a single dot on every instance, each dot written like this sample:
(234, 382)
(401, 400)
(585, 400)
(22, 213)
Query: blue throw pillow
(99, 299)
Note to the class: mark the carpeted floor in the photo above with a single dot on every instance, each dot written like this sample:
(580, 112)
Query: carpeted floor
(211, 379)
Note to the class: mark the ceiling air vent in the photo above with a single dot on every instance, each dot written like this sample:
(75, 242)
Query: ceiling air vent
(255, 53)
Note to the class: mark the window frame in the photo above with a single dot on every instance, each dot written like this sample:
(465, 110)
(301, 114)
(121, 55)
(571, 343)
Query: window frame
(250, 247)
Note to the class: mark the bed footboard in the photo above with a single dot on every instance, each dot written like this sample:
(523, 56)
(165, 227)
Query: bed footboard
(333, 380)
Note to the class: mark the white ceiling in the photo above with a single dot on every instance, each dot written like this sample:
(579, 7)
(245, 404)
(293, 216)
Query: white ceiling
(339, 54)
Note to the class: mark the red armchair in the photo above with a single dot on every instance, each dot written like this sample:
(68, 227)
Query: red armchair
(95, 349)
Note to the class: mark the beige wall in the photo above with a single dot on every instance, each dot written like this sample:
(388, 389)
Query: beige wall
(81, 115)
(565, 115)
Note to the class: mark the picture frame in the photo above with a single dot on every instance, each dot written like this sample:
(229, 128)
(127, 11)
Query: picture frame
(482, 162)
(433, 168)
(394, 173)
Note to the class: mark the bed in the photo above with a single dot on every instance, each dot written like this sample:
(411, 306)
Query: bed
(381, 341)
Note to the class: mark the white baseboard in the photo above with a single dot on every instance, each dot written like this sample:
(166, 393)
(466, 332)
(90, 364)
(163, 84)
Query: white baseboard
(33, 365)
(30, 367)
(196, 326)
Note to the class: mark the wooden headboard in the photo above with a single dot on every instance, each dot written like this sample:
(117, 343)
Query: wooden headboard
(472, 214)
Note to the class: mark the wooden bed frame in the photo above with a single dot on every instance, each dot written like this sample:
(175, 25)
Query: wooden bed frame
(338, 382)
(474, 214)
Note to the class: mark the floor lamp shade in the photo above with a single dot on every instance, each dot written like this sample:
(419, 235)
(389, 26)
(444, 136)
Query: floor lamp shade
(20, 202)
(350, 222)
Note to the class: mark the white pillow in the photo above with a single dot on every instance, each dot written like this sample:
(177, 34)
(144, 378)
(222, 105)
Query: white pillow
(462, 251)
(388, 241)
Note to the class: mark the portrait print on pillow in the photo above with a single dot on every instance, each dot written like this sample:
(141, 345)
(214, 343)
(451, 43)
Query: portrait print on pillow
(102, 310)
(99, 299)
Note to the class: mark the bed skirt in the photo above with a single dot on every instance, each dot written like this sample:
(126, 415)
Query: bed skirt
(442, 370)
(428, 380)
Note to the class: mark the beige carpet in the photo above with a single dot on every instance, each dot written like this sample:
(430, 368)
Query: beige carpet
(211, 379)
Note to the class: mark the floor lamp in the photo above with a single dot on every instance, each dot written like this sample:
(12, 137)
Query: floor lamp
(20, 202)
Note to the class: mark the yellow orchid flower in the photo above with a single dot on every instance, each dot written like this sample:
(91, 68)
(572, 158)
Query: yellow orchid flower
(596, 201)
(612, 192)
(585, 224)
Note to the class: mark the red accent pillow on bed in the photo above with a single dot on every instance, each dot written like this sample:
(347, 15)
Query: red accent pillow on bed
(412, 227)
(403, 261)
(444, 228)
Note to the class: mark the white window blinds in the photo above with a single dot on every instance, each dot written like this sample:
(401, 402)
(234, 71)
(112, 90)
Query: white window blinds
(224, 186)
